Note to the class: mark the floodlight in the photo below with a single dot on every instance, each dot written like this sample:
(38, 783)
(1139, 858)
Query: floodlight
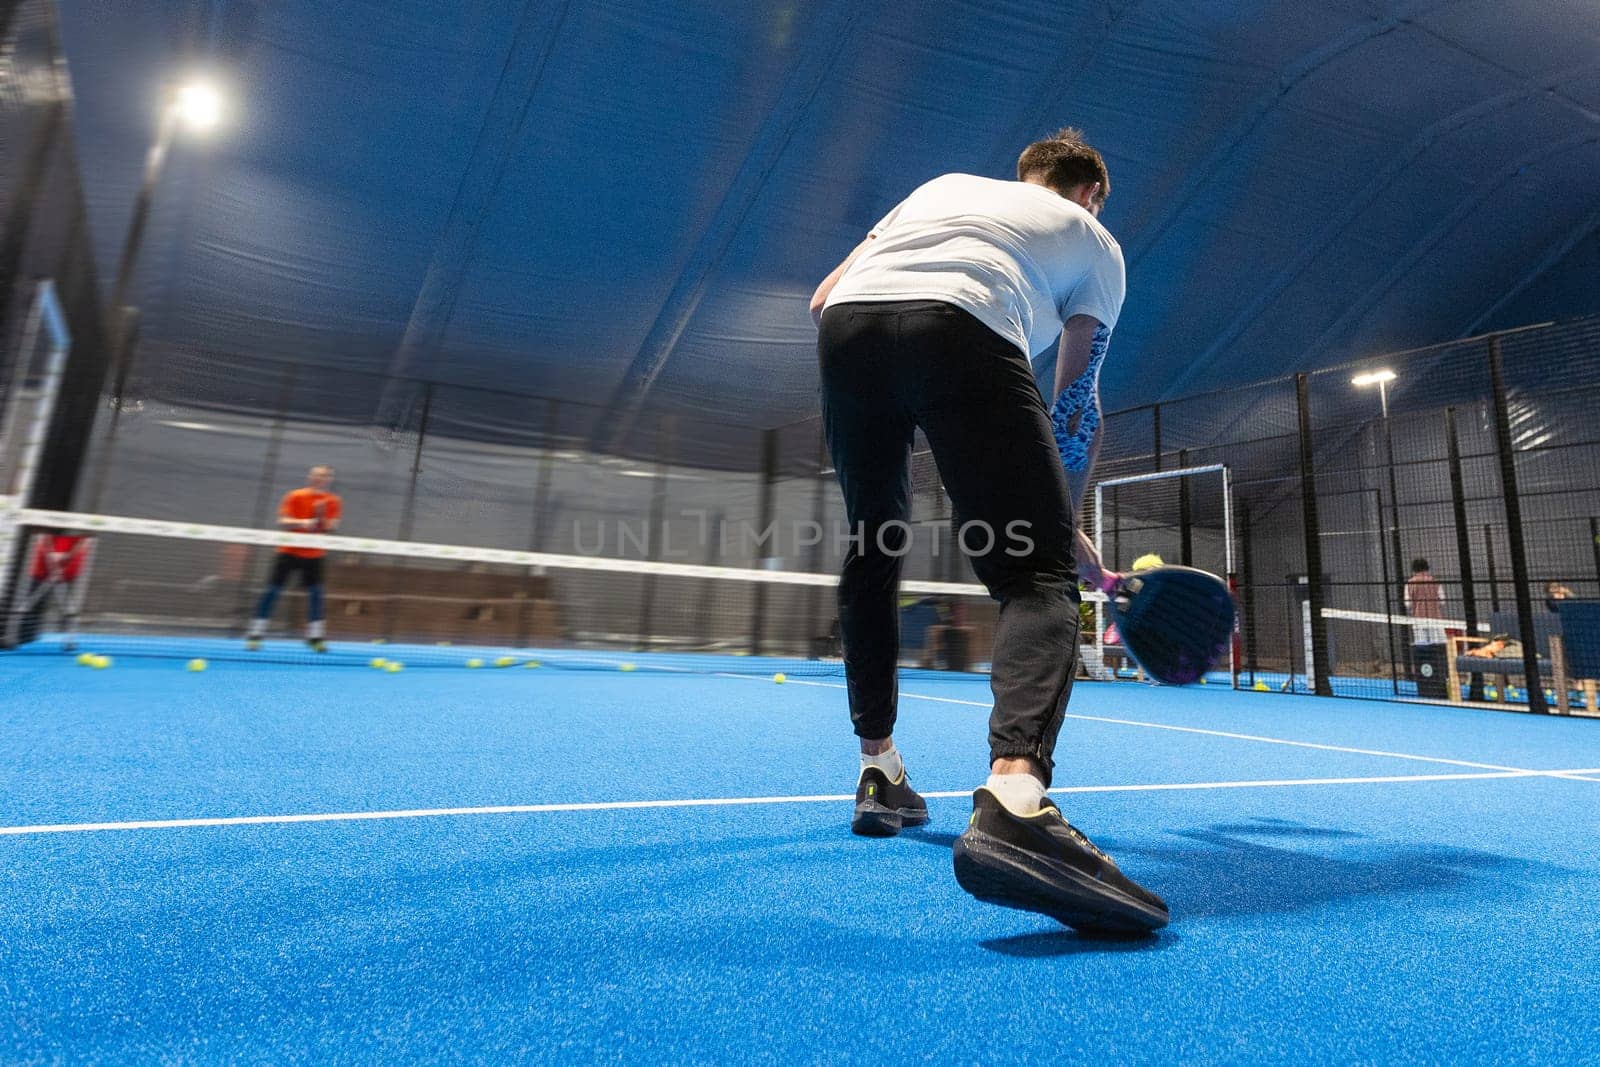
(1376, 377)
(198, 105)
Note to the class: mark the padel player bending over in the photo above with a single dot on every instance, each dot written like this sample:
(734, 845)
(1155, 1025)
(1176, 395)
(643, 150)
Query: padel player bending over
(930, 323)
(310, 509)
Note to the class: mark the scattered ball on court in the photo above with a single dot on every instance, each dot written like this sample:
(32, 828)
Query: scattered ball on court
(626, 667)
(197, 665)
(85, 659)
(379, 663)
(100, 663)
(391, 667)
(780, 678)
(1260, 687)
(531, 663)
(505, 661)
(474, 663)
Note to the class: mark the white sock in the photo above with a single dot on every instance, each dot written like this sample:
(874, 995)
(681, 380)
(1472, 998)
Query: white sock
(1022, 794)
(315, 630)
(888, 762)
(257, 627)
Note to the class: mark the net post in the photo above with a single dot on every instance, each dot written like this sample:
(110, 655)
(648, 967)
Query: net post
(1231, 577)
(1389, 582)
(1395, 552)
(769, 483)
(1519, 549)
(1458, 501)
(1248, 581)
(1318, 628)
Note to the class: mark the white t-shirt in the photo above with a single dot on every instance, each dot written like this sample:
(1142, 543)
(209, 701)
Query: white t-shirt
(1018, 257)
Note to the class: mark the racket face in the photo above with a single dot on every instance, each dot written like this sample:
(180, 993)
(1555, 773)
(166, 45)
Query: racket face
(1176, 621)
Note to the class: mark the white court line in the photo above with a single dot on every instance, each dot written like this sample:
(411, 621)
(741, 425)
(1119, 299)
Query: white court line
(716, 802)
(1574, 775)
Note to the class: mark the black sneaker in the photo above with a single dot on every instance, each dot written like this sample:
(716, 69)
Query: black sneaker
(1042, 863)
(883, 807)
(252, 644)
(317, 644)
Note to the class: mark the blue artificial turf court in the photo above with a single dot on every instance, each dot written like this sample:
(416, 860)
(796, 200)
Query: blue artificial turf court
(313, 864)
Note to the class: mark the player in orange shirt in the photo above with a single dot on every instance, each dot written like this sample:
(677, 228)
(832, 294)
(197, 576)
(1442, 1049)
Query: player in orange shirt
(311, 509)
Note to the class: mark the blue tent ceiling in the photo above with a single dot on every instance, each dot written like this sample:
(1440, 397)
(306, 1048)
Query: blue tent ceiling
(632, 201)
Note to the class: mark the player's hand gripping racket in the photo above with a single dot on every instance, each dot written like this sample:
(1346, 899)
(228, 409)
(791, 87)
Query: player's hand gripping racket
(1176, 621)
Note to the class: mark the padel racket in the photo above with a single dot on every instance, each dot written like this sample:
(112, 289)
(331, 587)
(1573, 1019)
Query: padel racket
(1176, 621)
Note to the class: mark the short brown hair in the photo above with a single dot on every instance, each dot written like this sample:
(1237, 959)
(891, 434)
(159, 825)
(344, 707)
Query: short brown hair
(1063, 161)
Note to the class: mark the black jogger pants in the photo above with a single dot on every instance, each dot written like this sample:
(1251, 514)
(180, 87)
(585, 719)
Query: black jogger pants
(887, 369)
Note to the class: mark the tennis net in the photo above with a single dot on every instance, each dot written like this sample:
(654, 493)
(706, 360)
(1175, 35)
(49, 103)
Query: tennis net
(175, 590)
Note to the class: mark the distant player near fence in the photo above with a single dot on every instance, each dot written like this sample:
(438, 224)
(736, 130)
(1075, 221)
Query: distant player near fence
(309, 509)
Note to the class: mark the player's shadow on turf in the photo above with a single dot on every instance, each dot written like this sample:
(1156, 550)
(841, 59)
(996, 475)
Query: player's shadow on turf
(1268, 867)
(1064, 942)
(1272, 867)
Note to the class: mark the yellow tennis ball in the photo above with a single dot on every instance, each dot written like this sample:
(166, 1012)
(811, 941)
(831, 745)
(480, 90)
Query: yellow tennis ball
(394, 668)
(504, 661)
(85, 659)
(1148, 562)
(780, 678)
(101, 662)
(1260, 687)
(378, 663)
(531, 663)
(474, 662)
(197, 665)
(625, 667)
(379, 641)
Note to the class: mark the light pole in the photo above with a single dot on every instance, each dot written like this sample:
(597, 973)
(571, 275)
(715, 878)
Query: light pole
(198, 107)
(195, 106)
(1381, 378)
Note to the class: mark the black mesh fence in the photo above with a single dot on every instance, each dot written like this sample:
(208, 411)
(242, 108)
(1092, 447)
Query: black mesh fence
(1397, 534)
(1452, 499)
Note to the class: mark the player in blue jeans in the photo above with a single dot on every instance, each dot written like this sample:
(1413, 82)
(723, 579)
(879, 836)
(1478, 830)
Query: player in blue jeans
(929, 323)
